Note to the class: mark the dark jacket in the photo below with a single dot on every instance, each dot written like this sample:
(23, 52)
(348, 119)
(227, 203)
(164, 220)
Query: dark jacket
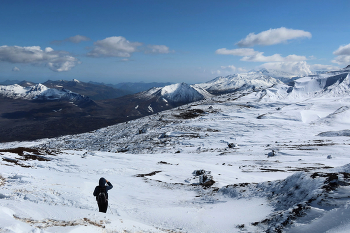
(102, 183)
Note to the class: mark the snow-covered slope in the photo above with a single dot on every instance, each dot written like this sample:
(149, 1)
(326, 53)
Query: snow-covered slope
(254, 80)
(177, 93)
(330, 84)
(38, 92)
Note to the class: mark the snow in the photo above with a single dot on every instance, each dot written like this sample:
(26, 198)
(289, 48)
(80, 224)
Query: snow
(151, 162)
(177, 93)
(150, 109)
(255, 79)
(38, 91)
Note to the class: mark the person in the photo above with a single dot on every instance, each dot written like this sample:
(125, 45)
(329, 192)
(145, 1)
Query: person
(101, 194)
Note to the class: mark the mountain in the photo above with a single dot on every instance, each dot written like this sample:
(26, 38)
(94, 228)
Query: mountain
(51, 112)
(155, 100)
(33, 112)
(325, 85)
(93, 91)
(9, 82)
(26, 83)
(41, 92)
(253, 80)
(180, 93)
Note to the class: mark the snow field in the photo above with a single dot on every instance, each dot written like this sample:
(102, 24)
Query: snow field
(61, 190)
(286, 171)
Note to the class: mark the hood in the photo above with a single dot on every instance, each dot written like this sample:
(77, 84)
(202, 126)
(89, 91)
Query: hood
(102, 181)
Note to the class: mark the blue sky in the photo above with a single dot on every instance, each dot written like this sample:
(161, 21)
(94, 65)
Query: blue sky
(169, 41)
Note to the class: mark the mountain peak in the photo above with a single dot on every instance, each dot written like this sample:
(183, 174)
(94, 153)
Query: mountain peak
(37, 88)
(178, 93)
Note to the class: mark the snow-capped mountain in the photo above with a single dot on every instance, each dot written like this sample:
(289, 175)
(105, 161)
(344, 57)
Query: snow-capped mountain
(179, 93)
(39, 92)
(254, 80)
(329, 84)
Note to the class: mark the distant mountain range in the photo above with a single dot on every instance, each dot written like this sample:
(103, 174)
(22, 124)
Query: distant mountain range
(95, 90)
(30, 111)
(41, 92)
(55, 108)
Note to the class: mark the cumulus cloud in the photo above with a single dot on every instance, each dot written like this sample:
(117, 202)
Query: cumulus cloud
(157, 49)
(256, 56)
(15, 69)
(300, 68)
(116, 46)
(342, 50)
(272, 36)
(342, 60)
(60, 64)
(56, 60)
(343, 55)
(323, 67)
(74, 39)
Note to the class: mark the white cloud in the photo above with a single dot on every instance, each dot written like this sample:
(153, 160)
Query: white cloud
(323, 67)
(259, 57)
(272, 36)
(237, 52)
(343, 53)
(48, 49)
(116, 46)
(256, 56)
(230, 68)
(74, 39)
(77, 39)
(55, 60)
(60, 64)
(157, 49)
(342, 60)
(15, 69)
(226, 70)
(300, 68)
(342, 50)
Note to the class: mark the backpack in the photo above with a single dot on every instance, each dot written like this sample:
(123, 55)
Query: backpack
(102, 196)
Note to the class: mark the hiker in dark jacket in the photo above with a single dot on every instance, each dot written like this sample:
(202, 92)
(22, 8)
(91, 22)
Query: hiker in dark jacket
(101, 194)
